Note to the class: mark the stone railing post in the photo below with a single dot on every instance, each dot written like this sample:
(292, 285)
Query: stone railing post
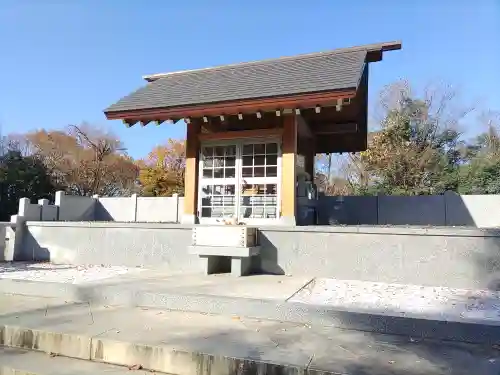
(176, 200)
(3, 242)
(14, 239)
(133, 197)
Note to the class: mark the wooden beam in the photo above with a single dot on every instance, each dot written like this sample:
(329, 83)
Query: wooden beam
(335, 128)
(234, 107)
(254, 133)
(303, 128)
(129, 123)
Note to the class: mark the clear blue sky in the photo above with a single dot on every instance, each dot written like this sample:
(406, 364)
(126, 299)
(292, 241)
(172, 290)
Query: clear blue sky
(64, 61)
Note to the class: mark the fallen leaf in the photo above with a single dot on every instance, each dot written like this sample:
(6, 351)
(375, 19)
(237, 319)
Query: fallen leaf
(135, 367)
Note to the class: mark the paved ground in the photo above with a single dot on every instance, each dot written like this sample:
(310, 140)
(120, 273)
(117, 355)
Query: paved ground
(378, 298)
(59, 273)
(123, 333)
(400, 299)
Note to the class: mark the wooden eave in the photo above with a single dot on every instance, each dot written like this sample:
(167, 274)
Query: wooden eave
(232, 107)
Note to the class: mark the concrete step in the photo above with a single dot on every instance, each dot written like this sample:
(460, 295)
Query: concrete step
(14, 361)
(265, 297)
(185, 343)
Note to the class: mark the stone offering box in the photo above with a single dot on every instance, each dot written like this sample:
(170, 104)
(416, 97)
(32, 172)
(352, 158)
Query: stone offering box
(225, 246)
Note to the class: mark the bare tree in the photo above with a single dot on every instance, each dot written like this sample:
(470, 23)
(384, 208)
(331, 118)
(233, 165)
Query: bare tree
(85, 160)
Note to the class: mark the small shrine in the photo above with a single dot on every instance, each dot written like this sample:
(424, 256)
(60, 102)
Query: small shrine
(253, 129)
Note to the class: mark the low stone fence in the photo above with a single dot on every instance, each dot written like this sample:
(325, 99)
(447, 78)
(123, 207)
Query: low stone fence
(124, 209)
(449, 209)
(451, 257)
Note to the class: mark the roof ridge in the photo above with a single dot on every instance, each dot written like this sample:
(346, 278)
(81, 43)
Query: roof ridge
(375, 46)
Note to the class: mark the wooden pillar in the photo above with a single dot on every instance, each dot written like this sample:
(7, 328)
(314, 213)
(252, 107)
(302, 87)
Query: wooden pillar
(190, 215)
(288, 170)
(310, 153)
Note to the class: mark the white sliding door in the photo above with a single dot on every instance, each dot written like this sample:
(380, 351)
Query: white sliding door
(239, 180)
(259, 182)
(217, 184)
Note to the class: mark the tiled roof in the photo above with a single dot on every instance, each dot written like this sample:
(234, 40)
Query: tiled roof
(310, 73)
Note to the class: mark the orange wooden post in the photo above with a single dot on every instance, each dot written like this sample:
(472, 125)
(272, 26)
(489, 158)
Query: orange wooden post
(288, 170)
(190, 215)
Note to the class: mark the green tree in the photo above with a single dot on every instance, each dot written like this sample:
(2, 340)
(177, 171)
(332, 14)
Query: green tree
(21, 177)
(418, 149)
(482, 174)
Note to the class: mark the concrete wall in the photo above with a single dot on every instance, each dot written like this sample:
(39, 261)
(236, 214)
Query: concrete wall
(473, 210)
(75, 208)
(116, 209)
(160, 246)
(353, 210)
(140, 209)
(160, 209)
(450, 209)
(459, 258)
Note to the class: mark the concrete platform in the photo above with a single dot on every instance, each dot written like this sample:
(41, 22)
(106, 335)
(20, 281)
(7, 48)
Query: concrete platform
(192, 343)
(449, 314)
(14, 361)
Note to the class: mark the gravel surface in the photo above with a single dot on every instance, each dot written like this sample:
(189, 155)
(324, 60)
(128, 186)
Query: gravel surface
(58, 273)
(399, 299)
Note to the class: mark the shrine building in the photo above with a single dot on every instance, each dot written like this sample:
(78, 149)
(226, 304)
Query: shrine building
(254, 128)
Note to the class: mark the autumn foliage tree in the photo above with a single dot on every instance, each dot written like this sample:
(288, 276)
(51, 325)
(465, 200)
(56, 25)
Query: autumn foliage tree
(418, 149)
(162, 172)
(84, 160)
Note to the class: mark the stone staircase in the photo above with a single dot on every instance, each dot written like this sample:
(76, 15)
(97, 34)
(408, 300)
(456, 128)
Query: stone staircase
(48, 336)
(14, 361)
(147, 321)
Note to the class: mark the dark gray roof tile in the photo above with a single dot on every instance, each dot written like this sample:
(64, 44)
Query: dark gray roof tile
(325, 71)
